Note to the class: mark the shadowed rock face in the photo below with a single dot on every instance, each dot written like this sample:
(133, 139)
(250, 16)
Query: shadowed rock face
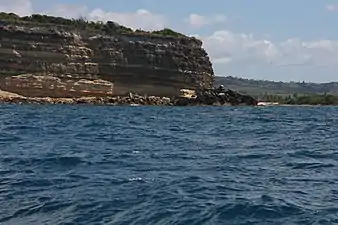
(214, 96)
(37, 59)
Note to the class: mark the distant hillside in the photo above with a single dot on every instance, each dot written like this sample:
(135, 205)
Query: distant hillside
(263, 87)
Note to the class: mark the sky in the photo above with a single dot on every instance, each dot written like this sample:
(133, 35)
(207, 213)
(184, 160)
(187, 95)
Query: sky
(289, 40)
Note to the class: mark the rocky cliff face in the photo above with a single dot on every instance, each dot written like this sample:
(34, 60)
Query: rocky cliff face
(46, 59)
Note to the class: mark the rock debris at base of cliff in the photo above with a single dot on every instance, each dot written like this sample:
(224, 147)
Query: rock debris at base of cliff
(212, 96)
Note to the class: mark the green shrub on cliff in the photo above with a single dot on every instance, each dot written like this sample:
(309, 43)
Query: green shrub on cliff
(109, 27)
(47, 19)
(168, 32)
(115, 28)
(9, 16)
(163, 32)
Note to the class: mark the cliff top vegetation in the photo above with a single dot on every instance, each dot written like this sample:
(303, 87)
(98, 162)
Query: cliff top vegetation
(108, 28)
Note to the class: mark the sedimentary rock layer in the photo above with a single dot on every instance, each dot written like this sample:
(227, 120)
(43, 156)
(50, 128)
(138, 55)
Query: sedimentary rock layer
(42, 59)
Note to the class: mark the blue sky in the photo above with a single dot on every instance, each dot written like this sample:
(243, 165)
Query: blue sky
(261, 39)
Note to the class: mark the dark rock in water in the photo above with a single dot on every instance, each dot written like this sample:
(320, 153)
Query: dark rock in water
(215, 96)
(182, 101)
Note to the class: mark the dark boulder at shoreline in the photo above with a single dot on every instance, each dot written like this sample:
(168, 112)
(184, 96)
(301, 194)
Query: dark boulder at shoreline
(216, 96)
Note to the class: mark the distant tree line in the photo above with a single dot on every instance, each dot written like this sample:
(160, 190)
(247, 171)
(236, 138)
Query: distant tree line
(108, 28)
(251, 86)
(296, 99)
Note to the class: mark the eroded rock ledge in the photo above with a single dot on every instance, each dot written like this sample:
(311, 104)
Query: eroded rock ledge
(215, 97)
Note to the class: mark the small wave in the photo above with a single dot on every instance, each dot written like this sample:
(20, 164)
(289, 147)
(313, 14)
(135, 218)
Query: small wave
(69, 160)
(29, 166)
(78, 177)
(136, 179)
(9, 138)
(314, 154)
(308, 165)
(258, 211)
(140, 179)
(255, 156)
(29, 182)
(47, 207)
(6, 172)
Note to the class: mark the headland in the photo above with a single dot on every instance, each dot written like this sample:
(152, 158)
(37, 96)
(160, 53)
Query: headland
(45, 59)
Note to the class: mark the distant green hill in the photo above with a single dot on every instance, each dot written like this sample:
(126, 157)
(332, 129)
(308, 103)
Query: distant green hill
(263, 87)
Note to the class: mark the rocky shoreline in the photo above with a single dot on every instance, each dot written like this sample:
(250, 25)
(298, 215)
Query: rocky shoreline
(213, 96)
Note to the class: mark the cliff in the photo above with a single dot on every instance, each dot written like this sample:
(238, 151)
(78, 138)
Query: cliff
(42, 56)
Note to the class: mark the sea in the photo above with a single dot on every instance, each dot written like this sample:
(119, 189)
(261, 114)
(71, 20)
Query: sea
(168, 165)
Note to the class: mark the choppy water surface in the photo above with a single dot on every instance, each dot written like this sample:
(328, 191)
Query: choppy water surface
(153, 165)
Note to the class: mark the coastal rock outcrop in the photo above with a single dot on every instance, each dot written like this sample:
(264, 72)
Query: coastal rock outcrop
(214, 96)
(43, 56)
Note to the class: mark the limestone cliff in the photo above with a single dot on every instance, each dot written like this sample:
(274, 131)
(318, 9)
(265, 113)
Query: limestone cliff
(56, 57)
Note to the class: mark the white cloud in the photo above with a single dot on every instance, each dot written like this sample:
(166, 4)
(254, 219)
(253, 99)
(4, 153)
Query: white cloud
(20, 7)
(332, 7)
(141, 18)
(197, 21)
(228, 47)
(67, 10)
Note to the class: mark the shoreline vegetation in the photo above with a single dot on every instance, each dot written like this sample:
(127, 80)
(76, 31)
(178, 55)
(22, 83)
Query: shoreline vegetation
(270, 93)
(263, 87)
(300, 99)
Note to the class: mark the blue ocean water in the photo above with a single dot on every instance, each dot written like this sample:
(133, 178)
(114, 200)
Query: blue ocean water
(168, 165)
